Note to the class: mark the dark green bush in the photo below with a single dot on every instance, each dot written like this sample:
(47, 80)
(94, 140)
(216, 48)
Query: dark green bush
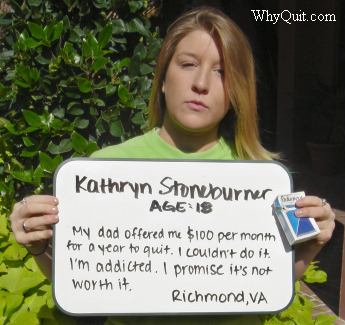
(74, 76)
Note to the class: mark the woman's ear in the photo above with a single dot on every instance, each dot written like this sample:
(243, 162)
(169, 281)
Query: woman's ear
(163, 87)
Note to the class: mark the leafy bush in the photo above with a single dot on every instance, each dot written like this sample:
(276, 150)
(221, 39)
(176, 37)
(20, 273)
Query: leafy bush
(74, 76)
(300, 310)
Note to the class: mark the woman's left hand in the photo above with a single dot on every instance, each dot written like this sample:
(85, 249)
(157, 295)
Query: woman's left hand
(320, 210)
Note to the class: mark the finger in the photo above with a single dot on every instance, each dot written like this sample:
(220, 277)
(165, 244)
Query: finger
(42, 215)
(42, 199)
(42, 222)
(316, 212)
(31, 210)
(311, 212)
(34, 209)
(32, 238)
(309, 201)
(48, 199)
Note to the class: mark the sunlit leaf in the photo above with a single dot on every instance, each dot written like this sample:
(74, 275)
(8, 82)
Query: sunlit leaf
(15, 252)
(79, 142)
(19, 280)
(46, 162)
(32, 118)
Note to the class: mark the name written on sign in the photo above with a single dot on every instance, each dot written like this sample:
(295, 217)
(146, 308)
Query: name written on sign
(167, 186)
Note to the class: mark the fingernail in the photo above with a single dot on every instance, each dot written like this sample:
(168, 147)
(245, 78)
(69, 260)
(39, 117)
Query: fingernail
(300, 201)
(54, 209)
(298, 212)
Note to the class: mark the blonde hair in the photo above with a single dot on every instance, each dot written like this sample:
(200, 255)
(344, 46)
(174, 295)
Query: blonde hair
(240, 124)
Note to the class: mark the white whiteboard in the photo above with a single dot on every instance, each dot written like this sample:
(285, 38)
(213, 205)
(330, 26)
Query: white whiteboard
(147, 237)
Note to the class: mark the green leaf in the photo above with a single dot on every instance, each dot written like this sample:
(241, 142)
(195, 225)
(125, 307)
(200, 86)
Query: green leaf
(25, 317)
(325, 320)
(100, 125)
(99, 64)
(137, 26)
(91, 148)
(42, 60)
(84, 85)
(134, 66)
(32, 118)
(64, 146)
(153, 50)
(123, 93)
(13, 301)
(37, 31)
(123, 63)
(21, 83)
(138, 118)
(145, 69)
(19, 280)
(57, 31)
(140, 50)
(31, 43)
(313, 274)
(116, 129)
(101, 84)
(81, 123)
(134, 6)
(5, 21)
(86, 49)
(24, 72)
(119, 26)
(15, 252)
(76, 111)
(46, 162)
(38, 174)
(110, 89)
(23, 176)
(3, 225)
(93, 44)
(105, 35)
(139, 102)
(35, 3)
(48, 30)
(79, 143)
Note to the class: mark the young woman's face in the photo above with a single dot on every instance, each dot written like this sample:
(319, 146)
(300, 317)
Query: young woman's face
(193, 86)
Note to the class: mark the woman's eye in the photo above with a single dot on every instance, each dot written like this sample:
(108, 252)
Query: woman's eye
(220, 71)
(188, 64)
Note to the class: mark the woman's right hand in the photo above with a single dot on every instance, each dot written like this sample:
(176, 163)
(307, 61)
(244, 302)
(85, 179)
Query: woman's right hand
(31, 221)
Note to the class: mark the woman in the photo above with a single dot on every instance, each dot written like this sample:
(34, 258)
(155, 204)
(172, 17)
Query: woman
(202, 106)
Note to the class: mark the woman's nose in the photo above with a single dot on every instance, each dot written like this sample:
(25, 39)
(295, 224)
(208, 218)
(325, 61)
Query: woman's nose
(201, 82)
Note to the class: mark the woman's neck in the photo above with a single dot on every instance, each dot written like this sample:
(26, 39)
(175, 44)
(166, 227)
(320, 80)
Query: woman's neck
(189, 141)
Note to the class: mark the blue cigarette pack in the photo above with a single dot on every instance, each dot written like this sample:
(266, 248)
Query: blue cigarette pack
(296, 229)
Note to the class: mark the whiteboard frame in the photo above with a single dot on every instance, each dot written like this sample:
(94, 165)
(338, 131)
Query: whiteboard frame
(178, 313)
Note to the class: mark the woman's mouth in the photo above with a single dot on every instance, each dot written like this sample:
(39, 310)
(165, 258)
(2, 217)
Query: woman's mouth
(196, 105)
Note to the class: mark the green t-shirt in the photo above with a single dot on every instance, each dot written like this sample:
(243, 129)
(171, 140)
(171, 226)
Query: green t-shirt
(151, 146)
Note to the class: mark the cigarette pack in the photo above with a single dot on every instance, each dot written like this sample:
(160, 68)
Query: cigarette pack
(296, 229)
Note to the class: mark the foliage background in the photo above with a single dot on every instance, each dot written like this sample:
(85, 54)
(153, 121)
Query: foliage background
(74, 76)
